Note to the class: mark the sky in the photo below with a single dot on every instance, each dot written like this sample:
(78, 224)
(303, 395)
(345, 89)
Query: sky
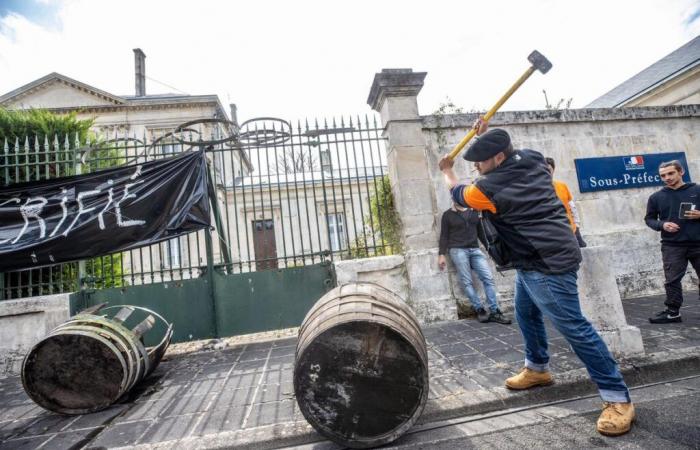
(314, 59)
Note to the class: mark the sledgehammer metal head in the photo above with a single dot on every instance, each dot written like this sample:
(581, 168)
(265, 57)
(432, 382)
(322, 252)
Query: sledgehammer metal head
(539, 62)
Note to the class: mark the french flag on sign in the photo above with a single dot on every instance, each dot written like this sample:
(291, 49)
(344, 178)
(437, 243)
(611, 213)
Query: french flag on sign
(634, 162)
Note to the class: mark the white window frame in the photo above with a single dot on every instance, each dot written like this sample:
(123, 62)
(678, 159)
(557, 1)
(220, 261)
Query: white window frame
(336, 231)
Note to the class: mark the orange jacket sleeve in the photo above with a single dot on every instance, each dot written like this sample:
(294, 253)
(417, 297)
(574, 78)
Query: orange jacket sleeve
(472, 197)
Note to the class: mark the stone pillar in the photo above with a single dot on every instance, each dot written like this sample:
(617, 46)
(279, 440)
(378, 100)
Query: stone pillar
(601, 303)
(394, 95)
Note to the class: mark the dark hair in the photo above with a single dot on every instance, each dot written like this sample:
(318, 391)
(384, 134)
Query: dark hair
(508, 151)
(674, 162)
(550, 161)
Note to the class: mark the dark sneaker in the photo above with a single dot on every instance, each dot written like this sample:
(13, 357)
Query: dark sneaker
(498, 317)
(482, 315)
(666, 316)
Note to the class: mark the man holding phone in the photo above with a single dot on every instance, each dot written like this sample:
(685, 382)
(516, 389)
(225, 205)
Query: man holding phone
(674, 211)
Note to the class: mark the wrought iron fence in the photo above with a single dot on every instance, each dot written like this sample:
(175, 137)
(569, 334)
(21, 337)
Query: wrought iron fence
(286, 196)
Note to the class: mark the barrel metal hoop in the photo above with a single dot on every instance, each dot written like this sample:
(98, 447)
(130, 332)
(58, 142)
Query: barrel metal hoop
(388, 297)
(130, 350)
(168, 326)
(372, 301)
(309, 337)
(97, 337)
(126, 334)
(361, 297)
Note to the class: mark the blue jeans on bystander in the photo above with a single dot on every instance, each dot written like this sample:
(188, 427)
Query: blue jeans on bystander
(467, 259)
(556, 297)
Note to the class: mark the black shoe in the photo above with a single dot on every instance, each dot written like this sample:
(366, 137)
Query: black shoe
(498, 317)
(666, 316)
(482, 315)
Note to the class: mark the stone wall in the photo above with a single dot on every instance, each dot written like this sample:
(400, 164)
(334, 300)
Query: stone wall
(25, 322)
(614, 219)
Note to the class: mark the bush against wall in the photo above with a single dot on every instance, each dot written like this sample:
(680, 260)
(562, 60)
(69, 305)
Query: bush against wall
(382, 227)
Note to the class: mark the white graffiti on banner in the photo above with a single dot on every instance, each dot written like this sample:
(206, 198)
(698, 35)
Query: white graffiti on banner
(33, 207)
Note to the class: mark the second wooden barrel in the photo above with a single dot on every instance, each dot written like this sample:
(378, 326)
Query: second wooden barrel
(89, 362)
(361, 370)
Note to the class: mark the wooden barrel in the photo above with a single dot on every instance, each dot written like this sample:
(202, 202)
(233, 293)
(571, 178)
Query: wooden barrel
(361, 370)
(87, 363)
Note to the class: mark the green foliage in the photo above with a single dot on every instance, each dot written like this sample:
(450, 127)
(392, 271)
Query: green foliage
(446, 108)
(382, 234)
(105, 272)
(40, 123)
(34, 127)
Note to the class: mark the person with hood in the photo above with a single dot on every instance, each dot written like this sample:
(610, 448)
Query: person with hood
(674, 211)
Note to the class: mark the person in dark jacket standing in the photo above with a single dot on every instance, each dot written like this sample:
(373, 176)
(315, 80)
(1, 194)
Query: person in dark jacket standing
(515, 191)
(674, 211)
(458, 236)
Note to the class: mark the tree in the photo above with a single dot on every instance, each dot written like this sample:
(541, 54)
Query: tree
(47, 150)
(382, 227)
(36, 128)
(291, 162)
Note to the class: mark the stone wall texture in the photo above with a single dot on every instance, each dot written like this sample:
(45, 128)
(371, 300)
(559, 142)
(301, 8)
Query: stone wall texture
(25, 322)
(614, 219)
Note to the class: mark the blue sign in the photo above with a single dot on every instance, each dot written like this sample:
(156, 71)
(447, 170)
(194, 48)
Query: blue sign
(624, 172)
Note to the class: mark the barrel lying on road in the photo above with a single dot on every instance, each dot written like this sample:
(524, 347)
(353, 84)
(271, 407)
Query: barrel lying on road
(361, 370)
(88, 363)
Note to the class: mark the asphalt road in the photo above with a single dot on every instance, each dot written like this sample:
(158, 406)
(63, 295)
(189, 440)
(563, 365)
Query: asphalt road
(668, 417)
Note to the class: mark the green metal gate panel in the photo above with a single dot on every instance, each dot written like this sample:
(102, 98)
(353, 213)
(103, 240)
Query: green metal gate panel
(187, 304)
(236, 304)
(269, 299)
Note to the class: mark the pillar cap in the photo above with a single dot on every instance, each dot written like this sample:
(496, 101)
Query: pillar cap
(394, 83)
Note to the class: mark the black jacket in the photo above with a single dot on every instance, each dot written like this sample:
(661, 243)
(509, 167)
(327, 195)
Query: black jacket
(530, 219)
(665, 206)
(458, 229)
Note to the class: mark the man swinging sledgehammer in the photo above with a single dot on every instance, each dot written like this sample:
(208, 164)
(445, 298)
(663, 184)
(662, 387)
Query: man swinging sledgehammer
(515, 192)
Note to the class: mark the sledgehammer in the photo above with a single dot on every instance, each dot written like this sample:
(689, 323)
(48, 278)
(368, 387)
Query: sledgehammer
(537, 62)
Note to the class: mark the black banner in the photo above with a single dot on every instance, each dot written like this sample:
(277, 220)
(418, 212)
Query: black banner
(84, 216)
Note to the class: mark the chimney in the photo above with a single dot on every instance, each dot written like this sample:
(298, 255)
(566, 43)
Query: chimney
(140, 72)
(234, 113)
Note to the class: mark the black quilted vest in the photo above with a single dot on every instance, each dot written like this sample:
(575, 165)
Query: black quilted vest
(530, 221)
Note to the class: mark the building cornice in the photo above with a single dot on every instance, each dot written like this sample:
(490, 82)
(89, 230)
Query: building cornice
(50, 80)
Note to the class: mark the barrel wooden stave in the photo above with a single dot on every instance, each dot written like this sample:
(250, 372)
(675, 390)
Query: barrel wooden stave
(89, 375)
(87, 363)
(361, 373)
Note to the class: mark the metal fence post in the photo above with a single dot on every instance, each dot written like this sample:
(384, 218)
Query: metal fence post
(79, 171)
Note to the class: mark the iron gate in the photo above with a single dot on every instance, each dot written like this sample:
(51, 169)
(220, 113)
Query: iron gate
(286, 202)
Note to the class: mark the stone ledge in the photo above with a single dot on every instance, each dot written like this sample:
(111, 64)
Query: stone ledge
(33, 304)
(563, 116)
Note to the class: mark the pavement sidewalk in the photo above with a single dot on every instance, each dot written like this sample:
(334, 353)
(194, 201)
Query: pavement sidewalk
(242, 396)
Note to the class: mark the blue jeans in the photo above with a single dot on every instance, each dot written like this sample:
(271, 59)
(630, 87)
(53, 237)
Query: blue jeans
(467, 259)
(556, 297)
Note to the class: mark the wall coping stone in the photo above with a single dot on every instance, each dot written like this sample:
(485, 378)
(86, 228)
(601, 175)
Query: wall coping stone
(394, 83)
(562, 116)
(33, 304)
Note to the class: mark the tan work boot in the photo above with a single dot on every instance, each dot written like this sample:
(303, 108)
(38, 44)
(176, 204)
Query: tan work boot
(528, 378)
(616, 418)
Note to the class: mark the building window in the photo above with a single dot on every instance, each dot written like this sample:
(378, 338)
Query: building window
(171, 253)
(336, 230)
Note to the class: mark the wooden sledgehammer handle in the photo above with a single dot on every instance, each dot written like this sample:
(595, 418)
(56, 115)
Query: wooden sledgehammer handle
(458, 148)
